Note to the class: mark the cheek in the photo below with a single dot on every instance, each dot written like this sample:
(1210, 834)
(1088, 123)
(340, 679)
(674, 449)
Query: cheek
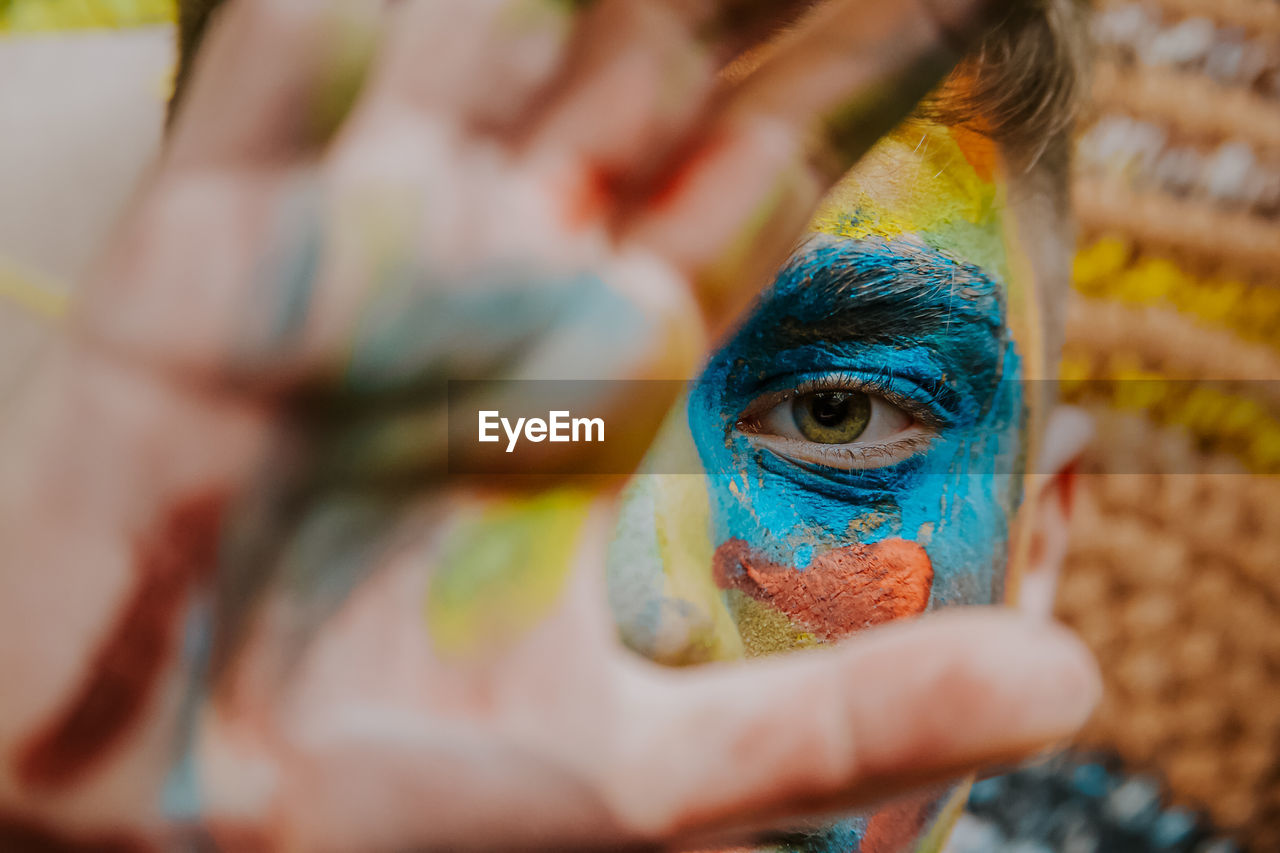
(798, 568)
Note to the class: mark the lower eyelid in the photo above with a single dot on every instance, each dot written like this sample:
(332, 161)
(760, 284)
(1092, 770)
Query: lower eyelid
(854, 457)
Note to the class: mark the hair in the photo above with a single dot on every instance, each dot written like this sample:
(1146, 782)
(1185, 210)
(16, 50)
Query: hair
(1023, 86)
(1024, 83)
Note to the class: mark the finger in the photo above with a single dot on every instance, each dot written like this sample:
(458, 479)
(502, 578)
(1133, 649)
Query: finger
(481, 61)
(854, 69)
(636, 79)
(427, 363)
(649, 67)
(273, 77)
(898, 708)
(732, 204)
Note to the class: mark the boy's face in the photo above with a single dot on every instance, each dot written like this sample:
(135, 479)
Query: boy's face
(861, 436)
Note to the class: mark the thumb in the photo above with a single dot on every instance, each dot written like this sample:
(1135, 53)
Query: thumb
(898, 708)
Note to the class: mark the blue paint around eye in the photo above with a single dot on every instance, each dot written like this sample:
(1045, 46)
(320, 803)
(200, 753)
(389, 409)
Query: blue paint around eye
(917, 325)
(804, 556)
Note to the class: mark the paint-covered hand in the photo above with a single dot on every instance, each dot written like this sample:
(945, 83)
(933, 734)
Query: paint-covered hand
(360, 202)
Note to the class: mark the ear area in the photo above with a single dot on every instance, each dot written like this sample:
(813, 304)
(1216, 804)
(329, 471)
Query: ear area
(1068, 432)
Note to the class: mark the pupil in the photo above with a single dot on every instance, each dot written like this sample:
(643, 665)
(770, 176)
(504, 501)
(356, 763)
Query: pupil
(830, 408)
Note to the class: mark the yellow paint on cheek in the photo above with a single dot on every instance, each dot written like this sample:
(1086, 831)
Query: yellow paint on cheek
(766, 630)
(682, 525)
(502, 571)
(685, 549)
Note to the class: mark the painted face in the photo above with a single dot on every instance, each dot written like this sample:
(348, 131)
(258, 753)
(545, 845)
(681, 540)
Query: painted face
(861, 437)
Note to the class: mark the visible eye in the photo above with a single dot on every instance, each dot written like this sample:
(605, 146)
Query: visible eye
(831, 417)
(836, 427)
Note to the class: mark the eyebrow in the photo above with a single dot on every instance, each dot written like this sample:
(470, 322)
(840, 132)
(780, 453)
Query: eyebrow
(877, 291)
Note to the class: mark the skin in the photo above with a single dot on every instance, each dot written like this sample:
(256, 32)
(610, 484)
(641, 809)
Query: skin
(239, 338)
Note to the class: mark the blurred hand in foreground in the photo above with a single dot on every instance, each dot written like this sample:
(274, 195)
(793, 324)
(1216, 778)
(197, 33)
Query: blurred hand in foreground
(241, 595)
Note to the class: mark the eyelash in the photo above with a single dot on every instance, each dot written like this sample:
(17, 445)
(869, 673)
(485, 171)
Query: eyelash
(923, 412)
(843, 456)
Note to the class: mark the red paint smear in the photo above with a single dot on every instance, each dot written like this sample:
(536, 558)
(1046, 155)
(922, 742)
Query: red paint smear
(677, 184)
(1069, 479)
(23, 835)
(589, 198)
(895, 827)
(124, 674)
(841, 591)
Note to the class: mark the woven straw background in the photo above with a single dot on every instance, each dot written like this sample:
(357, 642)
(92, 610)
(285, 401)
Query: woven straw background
(1175, 574)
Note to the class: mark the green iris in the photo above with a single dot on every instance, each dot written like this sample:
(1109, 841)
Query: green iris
(832, 417)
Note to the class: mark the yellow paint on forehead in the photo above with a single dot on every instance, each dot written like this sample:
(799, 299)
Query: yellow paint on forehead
(943, 187)
(929, 183)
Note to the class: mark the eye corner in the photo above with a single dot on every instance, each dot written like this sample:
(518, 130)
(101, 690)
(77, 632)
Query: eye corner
(750, 418)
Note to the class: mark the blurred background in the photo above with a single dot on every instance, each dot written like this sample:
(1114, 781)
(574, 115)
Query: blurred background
(1173, 345)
